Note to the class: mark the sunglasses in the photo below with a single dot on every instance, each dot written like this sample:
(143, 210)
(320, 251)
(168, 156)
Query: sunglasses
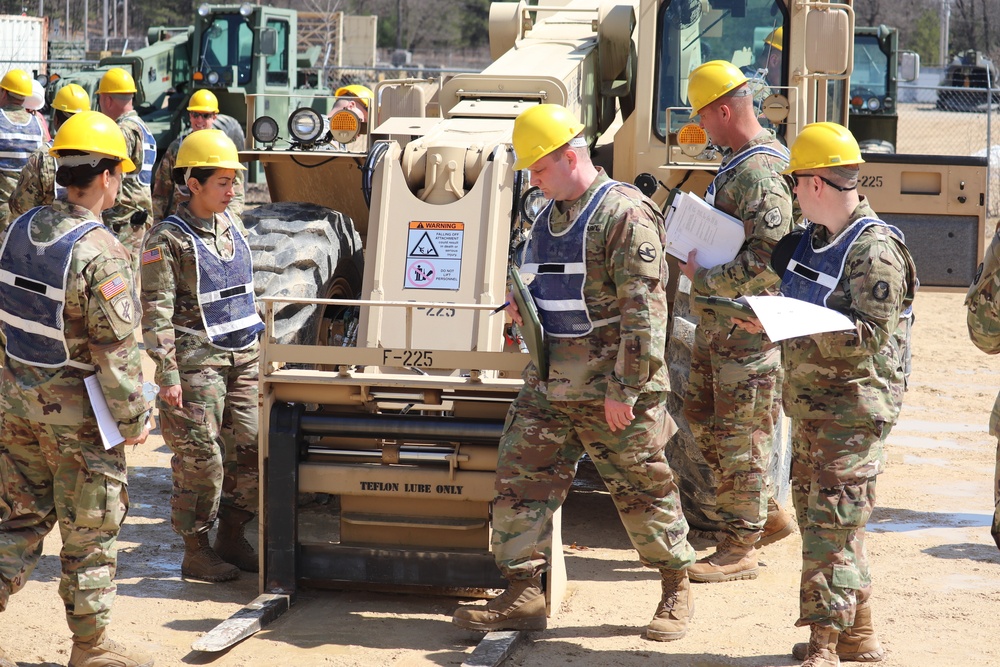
(793, 179)
(196, 114)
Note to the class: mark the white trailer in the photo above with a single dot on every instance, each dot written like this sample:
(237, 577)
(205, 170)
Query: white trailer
(24, 43)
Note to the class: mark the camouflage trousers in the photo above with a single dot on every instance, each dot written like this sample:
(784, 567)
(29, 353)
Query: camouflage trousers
(834, 468)
(732, 405)
(995, 530)
(213, 438)
(539, 451)
(53, 473)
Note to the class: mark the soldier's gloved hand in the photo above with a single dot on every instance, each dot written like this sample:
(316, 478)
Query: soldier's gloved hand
(171, 395)
(141, 438)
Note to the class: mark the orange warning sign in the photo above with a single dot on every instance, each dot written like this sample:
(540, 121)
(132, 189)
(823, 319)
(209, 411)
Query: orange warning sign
(457, 226)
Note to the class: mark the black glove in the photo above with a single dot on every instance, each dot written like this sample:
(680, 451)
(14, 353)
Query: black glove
(139, 218)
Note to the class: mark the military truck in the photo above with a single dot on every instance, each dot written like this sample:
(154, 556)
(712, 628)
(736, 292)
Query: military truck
(879, 67)
(384, 385)
(232, 50)
(971, 82)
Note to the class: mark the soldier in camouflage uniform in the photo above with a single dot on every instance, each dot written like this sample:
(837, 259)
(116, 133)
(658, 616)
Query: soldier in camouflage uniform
(843, 390)
(203, 109)
(70, 317)
(20, 135)
(605, 318)
(983, 302)
(131, 216)
(37, 185)
(733, 396)
(200, 325)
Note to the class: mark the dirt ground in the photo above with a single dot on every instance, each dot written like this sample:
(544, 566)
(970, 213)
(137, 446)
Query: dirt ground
(937, 594)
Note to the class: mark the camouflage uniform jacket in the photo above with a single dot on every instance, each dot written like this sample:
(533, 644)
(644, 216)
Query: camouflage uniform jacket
(132, 196)
(856, 373)
(37, 184)
(756, 193)
(983, 318)
(170, 296)
(167, 195)
(99, 331)
(622, 360)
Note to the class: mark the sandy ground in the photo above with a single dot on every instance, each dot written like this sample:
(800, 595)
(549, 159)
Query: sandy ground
(937, 571)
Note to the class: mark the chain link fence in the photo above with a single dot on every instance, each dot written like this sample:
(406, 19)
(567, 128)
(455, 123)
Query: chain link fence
(945, 120)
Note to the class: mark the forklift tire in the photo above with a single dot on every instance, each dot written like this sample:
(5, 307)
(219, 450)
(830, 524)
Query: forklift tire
(303, 251)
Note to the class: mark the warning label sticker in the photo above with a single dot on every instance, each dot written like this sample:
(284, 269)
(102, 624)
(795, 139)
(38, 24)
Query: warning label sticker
(434, 255)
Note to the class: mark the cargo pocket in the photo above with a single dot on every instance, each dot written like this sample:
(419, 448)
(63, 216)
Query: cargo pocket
(95, 591)
(101, 493)
(841, 507)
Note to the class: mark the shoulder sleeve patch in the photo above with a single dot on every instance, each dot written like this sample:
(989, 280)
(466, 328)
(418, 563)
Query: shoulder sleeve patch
(645, 257)
(773, 217)
(112, 287)
(152, 255)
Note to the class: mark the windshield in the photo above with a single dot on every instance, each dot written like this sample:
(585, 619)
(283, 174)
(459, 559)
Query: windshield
(228, 43)
(748, 33)
(871, 66)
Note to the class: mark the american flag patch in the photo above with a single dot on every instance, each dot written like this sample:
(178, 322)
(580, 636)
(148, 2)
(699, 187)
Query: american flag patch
(112, 287)
(152, 255)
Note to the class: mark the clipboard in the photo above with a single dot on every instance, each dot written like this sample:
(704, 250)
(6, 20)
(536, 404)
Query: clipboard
(531, 329)
(727, 307)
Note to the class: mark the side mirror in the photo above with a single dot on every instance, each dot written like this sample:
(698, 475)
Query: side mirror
(268, 41)
(909, 66)
(825, 27)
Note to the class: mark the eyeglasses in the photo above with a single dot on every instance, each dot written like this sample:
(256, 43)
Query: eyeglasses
(206, 116)
(793, 179)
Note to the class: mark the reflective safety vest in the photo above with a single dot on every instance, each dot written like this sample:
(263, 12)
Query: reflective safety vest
(145, 171)
(18, 141)
(559, 264)
(739, 158)
(225, 292)
(33, 280)
(813, 273)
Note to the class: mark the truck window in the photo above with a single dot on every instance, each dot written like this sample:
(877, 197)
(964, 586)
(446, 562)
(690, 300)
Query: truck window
(871, 69)
(277, 65)
(693, 32)
(228, 43)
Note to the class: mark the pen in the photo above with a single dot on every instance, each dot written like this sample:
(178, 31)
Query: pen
(730, 332)
(499, 308)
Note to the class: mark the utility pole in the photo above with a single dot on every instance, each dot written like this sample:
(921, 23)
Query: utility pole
(945, 15)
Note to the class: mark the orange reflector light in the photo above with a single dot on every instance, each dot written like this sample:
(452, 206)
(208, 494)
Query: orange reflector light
(692, 134)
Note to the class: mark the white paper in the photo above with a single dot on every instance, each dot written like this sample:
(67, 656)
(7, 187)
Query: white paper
(784, 317)
(693, 224)
(106, 424)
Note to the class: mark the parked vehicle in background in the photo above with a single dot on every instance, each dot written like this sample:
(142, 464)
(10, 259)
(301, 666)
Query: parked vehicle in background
(879, 66)
(969, 84)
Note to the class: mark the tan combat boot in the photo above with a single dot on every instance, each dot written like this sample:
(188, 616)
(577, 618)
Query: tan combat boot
(730, 562)
(520, 607)
(858, 643)
(231, 543)
(201, 562)
(5, 661)
(101, 651)
(676, 607)
(822, 648)
(779, 524)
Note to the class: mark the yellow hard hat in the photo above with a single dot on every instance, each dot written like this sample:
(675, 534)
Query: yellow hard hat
(71, 98)
(541, 129)
(361, 92)
(203, 101)
(92, 132)
(18, 82)
(116, 81)
(710, 81)
(208, 149)
(823, 145)
(774, 40)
